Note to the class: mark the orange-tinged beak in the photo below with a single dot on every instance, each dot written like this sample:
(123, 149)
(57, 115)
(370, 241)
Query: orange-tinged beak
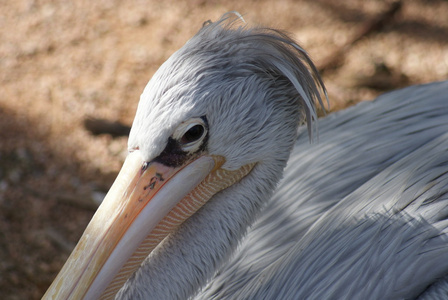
(145, 204)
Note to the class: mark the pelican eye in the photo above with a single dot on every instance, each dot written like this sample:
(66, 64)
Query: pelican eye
(190, 134)
(193, 134)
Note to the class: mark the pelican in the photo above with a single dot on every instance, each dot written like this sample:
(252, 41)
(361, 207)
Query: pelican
(200, 209)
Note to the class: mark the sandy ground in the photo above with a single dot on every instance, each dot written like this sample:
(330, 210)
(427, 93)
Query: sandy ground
(62, 61)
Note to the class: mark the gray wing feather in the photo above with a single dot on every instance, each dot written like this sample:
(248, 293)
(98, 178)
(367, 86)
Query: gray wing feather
(361, 214)
(437, 291)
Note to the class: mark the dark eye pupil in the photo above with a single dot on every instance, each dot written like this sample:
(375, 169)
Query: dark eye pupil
(192, 134)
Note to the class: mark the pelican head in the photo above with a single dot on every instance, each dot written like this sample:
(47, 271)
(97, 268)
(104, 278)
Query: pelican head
(212, 133)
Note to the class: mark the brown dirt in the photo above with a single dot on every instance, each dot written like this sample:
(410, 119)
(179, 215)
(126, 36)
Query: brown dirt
(61, 61)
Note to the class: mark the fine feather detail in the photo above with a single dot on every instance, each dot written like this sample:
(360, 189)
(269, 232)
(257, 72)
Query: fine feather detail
(286, 56)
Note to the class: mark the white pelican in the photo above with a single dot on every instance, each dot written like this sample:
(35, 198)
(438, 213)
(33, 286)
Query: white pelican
(362, 214)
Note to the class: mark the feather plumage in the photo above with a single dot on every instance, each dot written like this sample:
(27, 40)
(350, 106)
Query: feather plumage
(361, 214)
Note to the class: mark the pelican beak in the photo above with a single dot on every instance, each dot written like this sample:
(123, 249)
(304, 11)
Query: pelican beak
(146, 203)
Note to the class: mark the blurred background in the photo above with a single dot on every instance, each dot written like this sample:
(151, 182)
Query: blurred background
(64, 62)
